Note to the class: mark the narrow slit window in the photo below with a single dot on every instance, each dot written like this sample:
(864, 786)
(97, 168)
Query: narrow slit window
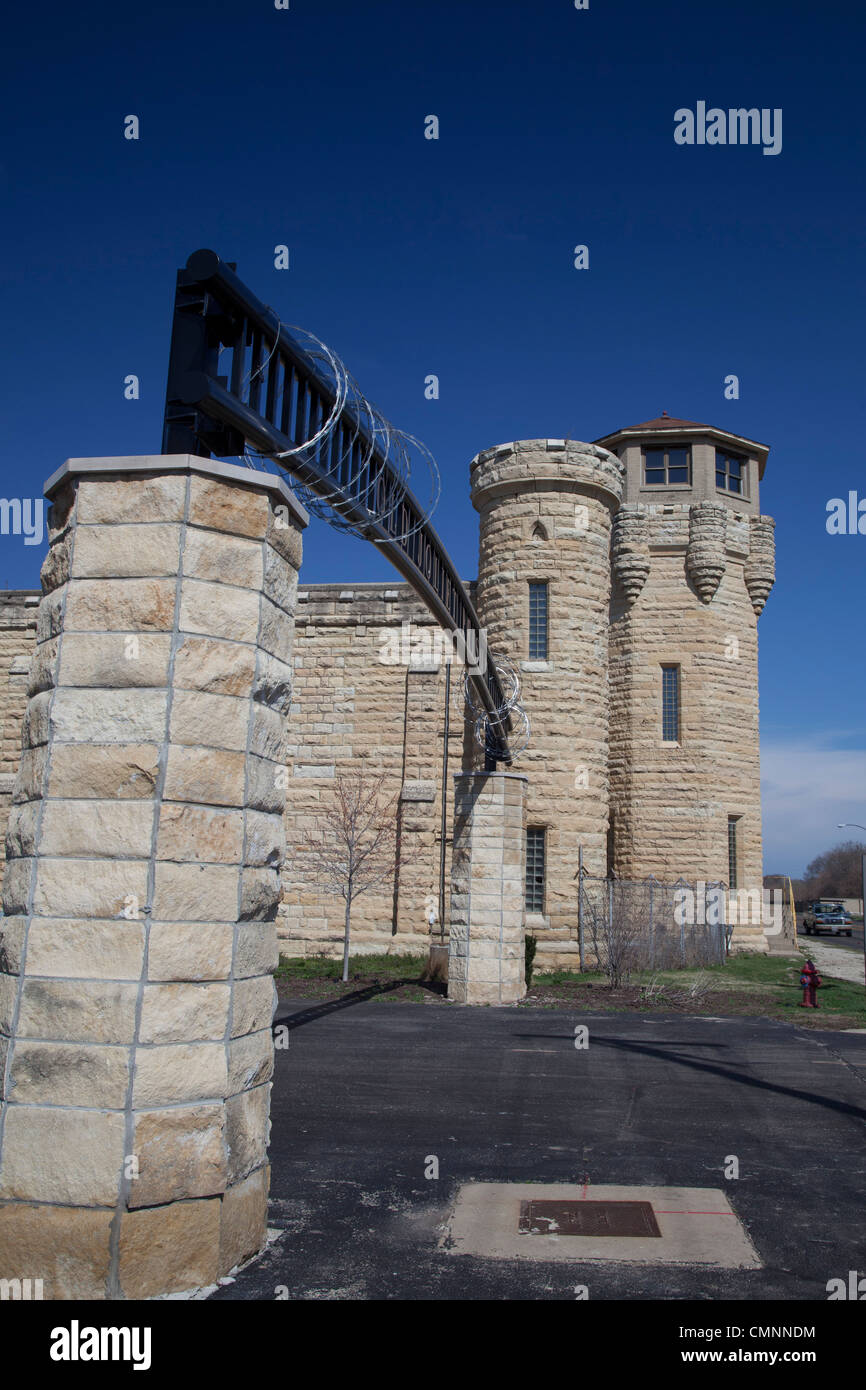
(535, 848)
(733, 846)
(538, 622)
(671, 704)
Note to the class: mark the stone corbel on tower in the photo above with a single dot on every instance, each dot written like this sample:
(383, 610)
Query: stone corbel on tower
(760, 570)
(705, 556)
(630, 550)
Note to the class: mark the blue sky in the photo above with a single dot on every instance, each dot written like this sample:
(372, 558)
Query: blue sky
(454, 257)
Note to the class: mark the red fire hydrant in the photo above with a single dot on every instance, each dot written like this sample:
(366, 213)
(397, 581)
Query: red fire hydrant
(810, 981)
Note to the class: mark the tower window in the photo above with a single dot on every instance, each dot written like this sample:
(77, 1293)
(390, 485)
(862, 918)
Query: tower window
(667, 467)
(671, 704)
(535, 868)
(538, 622)
(731, 473)
(733, 845)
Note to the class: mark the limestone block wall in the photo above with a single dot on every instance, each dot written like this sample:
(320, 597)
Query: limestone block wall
(546, 511)
(488, 914)
(143, 874)
(419, 813)
(370, 696)
(350, 709)
(17, 639)
(694, 609)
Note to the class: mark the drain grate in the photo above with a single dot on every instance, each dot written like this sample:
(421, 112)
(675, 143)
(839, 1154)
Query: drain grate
(579, 1218)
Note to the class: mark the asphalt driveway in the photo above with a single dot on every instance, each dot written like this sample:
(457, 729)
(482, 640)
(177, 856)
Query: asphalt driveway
(367, 1094)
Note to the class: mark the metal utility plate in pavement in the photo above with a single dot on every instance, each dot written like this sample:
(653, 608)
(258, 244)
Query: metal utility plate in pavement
(695, 1225)
(588, 1218)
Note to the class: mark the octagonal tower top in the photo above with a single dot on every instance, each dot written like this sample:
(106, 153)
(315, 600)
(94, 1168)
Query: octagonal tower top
(669, 460)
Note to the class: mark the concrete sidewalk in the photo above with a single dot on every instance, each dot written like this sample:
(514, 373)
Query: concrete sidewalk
(840, 965)
(366, 1096)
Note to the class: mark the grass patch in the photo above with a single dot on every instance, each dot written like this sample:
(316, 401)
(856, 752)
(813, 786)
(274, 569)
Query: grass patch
(382, 977)
(737, 973)
(758, 985)
(746, 985)
(369, 968)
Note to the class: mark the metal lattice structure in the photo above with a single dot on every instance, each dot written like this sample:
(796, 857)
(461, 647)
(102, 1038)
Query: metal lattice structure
(293, 402)
(639, 920)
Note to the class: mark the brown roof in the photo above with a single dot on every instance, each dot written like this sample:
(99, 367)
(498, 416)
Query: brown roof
(672, 422)
(667, 422)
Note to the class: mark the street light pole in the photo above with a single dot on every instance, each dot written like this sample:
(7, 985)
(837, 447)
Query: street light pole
(853, 825)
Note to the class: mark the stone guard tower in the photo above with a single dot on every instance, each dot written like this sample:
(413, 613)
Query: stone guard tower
(624, 580)
(547, 508)
(693, 564)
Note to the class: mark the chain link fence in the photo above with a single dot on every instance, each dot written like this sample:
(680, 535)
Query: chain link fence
(626, 924)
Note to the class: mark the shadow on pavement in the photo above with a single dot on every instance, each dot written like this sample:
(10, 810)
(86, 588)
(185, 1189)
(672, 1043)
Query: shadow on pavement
(730, 1074)
(360, 996)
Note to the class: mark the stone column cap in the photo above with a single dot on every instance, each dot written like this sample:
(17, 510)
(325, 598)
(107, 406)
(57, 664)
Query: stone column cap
(181, 463)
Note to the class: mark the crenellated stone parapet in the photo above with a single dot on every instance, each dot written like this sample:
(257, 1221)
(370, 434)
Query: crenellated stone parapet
(545, 465)
(760, 570)
(706, 559)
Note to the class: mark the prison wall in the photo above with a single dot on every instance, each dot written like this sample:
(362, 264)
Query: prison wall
(369, 698)
(688, 582)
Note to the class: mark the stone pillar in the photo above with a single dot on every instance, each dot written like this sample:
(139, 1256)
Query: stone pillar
(17, 637)
(144, 850)
(488, 911)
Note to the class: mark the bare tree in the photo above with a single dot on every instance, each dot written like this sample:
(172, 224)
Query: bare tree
(836, 872)
(354, 846)
(616, 921)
